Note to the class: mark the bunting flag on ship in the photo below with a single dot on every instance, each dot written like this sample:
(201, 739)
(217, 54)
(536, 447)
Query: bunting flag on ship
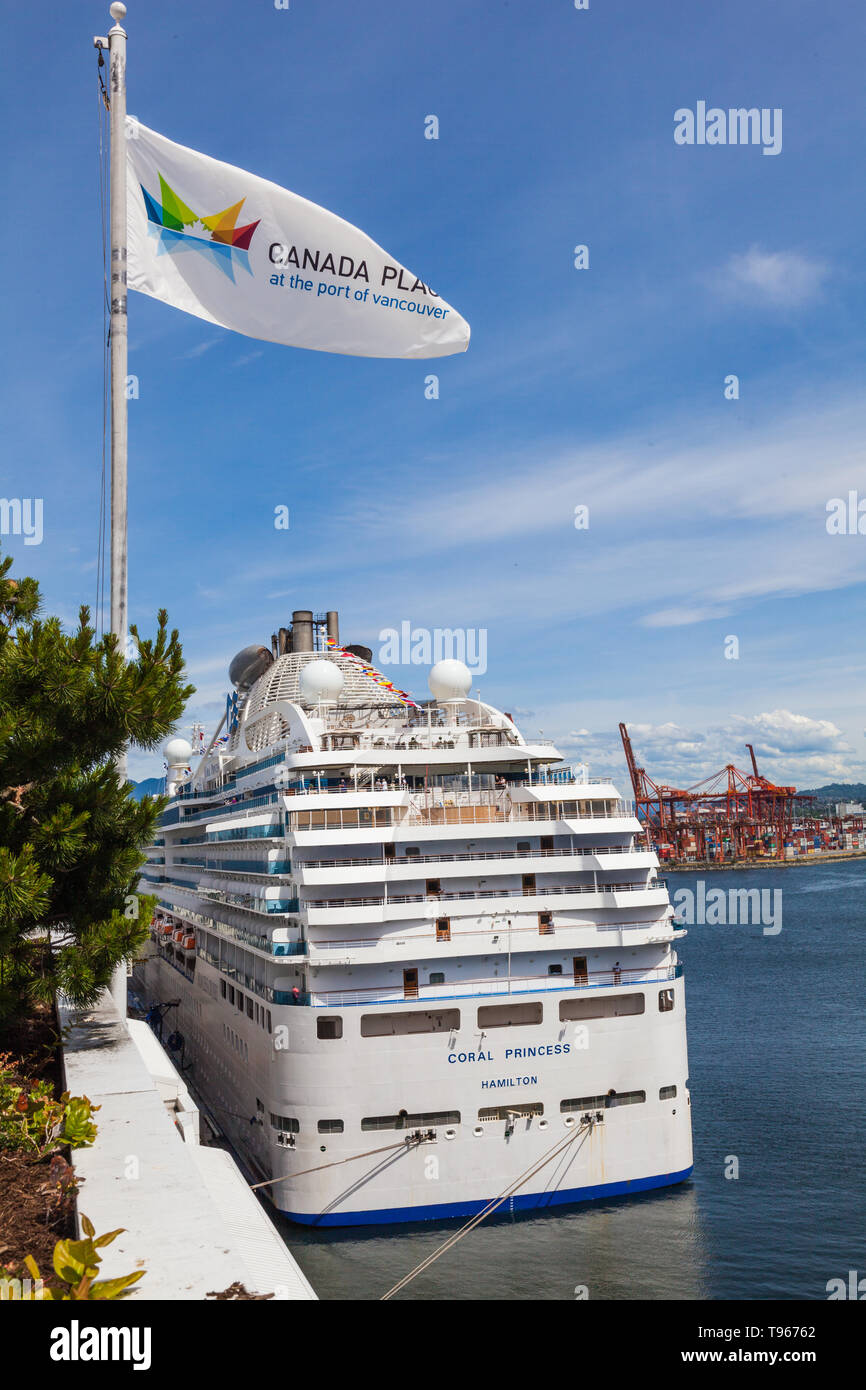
(240, 251)
(373, 673)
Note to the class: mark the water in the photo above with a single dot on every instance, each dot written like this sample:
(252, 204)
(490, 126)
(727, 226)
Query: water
(777, 1062)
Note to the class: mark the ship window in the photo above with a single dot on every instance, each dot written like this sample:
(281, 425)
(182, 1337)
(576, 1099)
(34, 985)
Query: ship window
(437, 977)
(286, 1123)
(523, 847)
(668, 1093)
(666, 1000)
(509, 1015)
(249, 1008)
(412, 851)
(269, 1020)
(433, 888)
(583, 1103)
(240, 1001)
(422, 1021)
(330, 1126)
(601, 1006)
(505, 1112)
(329, 1027)
(223, 988)
(613, 1098)
(231, 994)
(406, 1121)
(554, 970)
(625, 1098)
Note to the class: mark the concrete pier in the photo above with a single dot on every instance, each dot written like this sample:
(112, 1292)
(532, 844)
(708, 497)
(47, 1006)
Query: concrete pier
(190, 1219)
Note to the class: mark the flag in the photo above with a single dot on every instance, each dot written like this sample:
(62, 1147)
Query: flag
(240, 251)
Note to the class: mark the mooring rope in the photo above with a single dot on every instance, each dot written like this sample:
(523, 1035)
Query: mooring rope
(476, 1220)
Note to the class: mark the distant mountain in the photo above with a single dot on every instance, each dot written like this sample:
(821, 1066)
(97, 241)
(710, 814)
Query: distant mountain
(838, 791)
(151, 786)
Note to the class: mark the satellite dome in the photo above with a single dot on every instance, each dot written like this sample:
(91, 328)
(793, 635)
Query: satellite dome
(450, 680)
(248, 665)
(321, 680)
(177, 752)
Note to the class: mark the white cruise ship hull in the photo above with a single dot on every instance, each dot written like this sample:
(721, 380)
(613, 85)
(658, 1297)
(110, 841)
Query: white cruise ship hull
(634, 1147)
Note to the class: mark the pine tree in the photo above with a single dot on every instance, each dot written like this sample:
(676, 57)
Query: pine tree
(71, 835)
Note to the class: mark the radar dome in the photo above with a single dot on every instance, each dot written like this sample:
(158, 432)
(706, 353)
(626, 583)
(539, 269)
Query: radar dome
(248, 665)
(177, 752)
(321, 680)
(450, 680)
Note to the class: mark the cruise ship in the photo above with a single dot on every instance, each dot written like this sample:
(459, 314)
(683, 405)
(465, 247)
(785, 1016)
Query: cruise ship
(413, 965)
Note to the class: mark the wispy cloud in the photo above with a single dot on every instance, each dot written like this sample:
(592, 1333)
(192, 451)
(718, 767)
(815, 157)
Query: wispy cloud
(786, 279)
(199, 349)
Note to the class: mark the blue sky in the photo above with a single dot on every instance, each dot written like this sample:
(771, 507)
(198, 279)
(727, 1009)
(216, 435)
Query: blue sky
(601, 387)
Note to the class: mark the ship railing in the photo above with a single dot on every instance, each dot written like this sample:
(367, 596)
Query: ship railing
(497, 986)
(566, 889)
(516, 812)
(497, 929)
(579, 852)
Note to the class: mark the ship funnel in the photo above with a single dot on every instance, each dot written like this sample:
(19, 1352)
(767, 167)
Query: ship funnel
(302, 630)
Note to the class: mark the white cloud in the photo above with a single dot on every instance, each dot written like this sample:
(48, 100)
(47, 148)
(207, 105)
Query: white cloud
(791, 749)
(785, 279)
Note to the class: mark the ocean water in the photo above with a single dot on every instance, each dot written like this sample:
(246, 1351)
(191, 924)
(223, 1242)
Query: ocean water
(777, 1068)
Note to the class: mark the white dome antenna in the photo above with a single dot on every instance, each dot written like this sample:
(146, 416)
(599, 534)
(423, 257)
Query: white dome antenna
(177, 752)
(449, 680)
(321, 682)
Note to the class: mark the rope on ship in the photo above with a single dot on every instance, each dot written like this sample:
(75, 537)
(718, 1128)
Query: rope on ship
(287, 1177)
(559, 1147)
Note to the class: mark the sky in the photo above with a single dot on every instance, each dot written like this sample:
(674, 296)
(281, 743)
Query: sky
(704, 602)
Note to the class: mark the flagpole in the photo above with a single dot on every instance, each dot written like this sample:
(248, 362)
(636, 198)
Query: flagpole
(118, 338)
(119, 355)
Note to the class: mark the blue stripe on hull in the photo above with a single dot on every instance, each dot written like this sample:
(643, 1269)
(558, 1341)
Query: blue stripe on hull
(531, 1201)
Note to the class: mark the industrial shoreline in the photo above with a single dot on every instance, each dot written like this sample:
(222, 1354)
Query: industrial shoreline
(766, 862)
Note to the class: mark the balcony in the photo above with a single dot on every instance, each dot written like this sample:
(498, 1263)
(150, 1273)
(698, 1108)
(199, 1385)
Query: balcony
(471, 895)
(489, 987)
(497, 939)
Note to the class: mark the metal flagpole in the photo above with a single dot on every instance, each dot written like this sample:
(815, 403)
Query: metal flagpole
(117, 97)
(118, 345)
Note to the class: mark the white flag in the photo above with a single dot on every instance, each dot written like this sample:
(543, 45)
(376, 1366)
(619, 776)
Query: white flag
(243, 252)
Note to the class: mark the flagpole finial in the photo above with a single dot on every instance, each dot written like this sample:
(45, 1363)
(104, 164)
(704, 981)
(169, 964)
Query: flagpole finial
(117, 11)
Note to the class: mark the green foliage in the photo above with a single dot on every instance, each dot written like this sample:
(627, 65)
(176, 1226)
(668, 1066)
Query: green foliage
(71, 836)
(32, 1121)
(76, 1265)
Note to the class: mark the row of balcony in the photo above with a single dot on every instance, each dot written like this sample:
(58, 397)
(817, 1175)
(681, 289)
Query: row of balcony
(578, 852)
(565, 889)
(476, 989)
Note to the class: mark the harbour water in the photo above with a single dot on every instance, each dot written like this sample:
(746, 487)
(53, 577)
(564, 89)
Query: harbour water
(777, 1067)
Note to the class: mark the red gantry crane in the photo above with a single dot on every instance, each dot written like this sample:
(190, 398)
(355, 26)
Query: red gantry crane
(729, 815)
